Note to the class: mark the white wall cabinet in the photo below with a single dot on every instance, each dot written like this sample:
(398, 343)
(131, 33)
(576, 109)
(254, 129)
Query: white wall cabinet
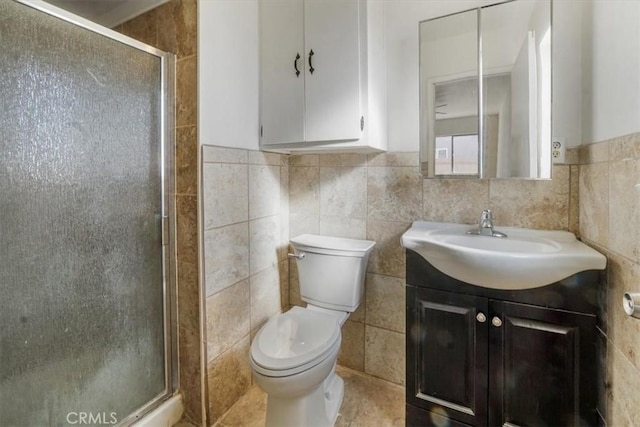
(322, 75)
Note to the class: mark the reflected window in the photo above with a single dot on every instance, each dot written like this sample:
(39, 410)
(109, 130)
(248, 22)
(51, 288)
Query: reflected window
(456, 155)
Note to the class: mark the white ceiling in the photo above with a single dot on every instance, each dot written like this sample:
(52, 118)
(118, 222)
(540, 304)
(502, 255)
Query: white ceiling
(108, 13)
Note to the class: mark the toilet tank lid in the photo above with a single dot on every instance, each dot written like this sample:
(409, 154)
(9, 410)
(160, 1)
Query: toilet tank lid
(310, 241)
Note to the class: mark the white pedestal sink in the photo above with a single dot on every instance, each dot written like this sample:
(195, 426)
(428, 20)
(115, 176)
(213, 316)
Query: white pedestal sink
(525, 259)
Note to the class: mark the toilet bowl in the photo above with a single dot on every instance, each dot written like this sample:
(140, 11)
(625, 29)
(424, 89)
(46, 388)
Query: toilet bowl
(293, 356)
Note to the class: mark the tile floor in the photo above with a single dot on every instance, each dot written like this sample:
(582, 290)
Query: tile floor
(368, 401)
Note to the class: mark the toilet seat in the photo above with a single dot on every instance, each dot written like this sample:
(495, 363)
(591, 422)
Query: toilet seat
(294, 342)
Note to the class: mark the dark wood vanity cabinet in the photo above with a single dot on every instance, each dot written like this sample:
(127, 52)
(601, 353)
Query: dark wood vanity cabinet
(447, 357)
(485, 357)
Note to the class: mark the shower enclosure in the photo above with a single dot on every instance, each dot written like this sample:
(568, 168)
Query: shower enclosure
(85, 238)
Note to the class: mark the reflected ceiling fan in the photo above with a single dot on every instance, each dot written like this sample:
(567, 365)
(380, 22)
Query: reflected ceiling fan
(440, 106)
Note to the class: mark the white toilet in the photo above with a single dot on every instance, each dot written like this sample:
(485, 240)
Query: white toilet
(294, 355)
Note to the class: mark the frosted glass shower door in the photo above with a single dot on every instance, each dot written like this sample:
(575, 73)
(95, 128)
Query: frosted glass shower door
(83, 322)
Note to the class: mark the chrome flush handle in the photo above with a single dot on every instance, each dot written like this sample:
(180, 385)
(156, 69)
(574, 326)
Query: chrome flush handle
(301, 255)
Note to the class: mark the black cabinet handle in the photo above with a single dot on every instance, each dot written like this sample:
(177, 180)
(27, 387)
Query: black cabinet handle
(311, 69)
(295, 64)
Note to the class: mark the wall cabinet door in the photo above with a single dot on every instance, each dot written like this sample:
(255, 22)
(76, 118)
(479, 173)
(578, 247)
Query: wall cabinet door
(281, 87)
(447, 356)
(332, 90)
(542, 366)
(309, 71)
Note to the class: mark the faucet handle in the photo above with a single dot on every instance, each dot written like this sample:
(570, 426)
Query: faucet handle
(486, 219)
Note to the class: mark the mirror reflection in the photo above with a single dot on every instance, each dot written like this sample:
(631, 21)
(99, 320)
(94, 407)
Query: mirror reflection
(449, 95)
(513, 137)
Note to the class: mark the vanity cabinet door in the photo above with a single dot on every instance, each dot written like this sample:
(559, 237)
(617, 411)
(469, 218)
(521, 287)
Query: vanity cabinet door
(447, 338)
(541, 366)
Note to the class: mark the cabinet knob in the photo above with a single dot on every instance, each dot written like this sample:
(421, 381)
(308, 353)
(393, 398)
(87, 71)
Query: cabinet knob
(480, 317)
(496, 321)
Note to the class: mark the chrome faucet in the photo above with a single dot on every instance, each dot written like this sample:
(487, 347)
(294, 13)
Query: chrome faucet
(486, 226)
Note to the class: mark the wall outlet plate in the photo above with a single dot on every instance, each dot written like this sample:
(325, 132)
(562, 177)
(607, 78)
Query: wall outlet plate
(558, 149)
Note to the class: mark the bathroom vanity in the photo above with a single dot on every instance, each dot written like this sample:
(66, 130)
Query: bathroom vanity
(478, 356)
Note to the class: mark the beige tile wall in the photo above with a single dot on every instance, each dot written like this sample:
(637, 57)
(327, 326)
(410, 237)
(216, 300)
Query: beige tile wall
(245, 217)
(172, 27)
(377, 197)
(610, 221)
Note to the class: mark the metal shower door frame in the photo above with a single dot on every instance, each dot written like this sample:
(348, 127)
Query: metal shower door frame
(167, 138)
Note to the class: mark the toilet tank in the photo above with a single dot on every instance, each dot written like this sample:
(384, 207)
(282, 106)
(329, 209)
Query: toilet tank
(332, 270)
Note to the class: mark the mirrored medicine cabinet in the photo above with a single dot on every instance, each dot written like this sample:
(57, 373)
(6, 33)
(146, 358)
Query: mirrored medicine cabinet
(485, 92)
